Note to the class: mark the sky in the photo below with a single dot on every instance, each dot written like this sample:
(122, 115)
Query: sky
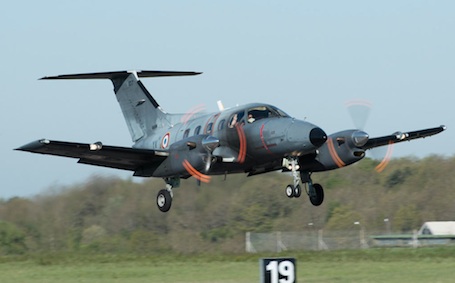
(308, 58)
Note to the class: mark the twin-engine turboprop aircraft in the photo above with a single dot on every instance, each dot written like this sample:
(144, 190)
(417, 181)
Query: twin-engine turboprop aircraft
(254, 138)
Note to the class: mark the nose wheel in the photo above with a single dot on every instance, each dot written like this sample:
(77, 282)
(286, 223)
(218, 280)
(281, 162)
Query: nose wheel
(293, 191)
(315, 192)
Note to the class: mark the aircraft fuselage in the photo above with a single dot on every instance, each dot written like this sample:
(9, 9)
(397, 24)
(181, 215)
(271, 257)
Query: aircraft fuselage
(252, 138)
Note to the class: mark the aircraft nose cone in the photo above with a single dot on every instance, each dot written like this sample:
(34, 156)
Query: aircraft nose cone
(317, 137)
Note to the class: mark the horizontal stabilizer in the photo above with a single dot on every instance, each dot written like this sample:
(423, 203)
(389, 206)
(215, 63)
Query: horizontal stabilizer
(118, 74)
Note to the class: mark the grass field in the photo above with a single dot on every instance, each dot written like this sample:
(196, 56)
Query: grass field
(373, 265)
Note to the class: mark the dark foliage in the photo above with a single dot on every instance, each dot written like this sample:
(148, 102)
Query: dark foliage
(113, 215)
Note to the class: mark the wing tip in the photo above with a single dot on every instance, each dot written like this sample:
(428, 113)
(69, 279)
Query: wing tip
(33, 145)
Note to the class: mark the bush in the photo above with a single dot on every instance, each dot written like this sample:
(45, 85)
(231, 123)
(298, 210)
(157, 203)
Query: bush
(12, 239)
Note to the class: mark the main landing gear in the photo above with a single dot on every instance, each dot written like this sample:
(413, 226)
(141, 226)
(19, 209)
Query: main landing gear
(315, 192)
(164, 197)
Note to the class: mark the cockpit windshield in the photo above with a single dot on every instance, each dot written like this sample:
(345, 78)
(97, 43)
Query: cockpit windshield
(260, 112)
(279, 112)
(254, 114)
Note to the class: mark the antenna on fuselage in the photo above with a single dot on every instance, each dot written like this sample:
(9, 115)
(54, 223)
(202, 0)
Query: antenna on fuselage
(220, 105)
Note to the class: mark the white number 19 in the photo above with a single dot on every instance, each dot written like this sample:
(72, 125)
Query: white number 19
(283, 268)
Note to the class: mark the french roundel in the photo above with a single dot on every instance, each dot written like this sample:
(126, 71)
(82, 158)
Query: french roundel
(165, 141)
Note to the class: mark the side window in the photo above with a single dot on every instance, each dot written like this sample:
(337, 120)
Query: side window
(197, 130)
(221, 125)
(186, 133)
(236, 119)
(209, 128)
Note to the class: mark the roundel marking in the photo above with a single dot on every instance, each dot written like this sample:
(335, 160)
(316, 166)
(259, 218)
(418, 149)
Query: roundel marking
(165, 140)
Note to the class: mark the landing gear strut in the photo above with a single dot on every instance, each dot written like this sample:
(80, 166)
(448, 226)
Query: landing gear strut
(314, 191)
(164, 197)
(294, 190)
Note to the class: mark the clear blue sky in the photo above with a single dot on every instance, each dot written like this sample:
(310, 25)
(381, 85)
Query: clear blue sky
(306, 57)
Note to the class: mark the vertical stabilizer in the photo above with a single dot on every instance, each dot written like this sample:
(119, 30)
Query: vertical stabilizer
(141, 111)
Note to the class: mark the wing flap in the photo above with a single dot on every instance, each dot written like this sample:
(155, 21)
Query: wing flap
(96, 154)
(401, 137)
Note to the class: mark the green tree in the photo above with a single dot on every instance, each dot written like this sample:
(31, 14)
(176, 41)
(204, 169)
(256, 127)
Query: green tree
(12, 239)
(407, 218)
(343, 218)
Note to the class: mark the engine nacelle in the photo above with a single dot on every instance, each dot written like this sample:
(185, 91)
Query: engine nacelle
(340, 149)
(195, 150)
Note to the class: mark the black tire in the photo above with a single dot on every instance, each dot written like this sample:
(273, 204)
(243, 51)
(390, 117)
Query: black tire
(164, 200)
(290, 191)
(318, 196)
(297, 191)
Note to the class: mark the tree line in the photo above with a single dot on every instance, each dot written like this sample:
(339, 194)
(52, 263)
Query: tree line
(113, 215)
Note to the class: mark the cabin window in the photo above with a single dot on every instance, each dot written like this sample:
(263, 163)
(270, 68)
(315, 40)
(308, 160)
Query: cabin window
(186, 133)
(209, 128)
(197, 130)
(221, 125)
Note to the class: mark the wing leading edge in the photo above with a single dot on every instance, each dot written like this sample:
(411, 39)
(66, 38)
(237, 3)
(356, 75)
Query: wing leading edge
(142, 161)
(401, 137)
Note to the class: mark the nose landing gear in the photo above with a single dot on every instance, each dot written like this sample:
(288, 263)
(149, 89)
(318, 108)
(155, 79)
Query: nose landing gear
(315, 192)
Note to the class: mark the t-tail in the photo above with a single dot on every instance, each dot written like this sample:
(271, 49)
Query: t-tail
(143, 115)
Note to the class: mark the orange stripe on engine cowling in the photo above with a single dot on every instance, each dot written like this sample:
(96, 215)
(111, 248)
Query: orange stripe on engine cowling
(333, 154)
(196, 174)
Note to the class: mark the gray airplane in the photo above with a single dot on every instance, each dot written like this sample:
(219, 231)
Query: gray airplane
(254, 138)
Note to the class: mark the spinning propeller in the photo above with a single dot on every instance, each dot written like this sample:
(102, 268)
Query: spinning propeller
(359, 111)
(190, 114)
(207, 145)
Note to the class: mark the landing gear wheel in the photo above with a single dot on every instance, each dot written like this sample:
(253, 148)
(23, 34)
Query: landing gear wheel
(297, 191)
(316, 195)
(290, 191)
(164, 200)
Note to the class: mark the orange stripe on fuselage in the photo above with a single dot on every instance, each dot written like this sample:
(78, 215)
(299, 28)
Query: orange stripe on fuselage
(242, 146)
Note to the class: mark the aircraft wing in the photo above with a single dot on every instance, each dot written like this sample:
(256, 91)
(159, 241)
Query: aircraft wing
(401, 137)
(137, 160)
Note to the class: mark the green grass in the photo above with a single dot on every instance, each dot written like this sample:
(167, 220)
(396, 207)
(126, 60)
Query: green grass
(373, 265)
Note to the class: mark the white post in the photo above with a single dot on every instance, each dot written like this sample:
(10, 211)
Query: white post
(321, 243)
(415, 239)
(248, 245)
(279, 243)
(363, 242)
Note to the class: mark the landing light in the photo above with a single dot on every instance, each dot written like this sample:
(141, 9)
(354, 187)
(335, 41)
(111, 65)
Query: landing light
(95, 146)
(297, 167)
